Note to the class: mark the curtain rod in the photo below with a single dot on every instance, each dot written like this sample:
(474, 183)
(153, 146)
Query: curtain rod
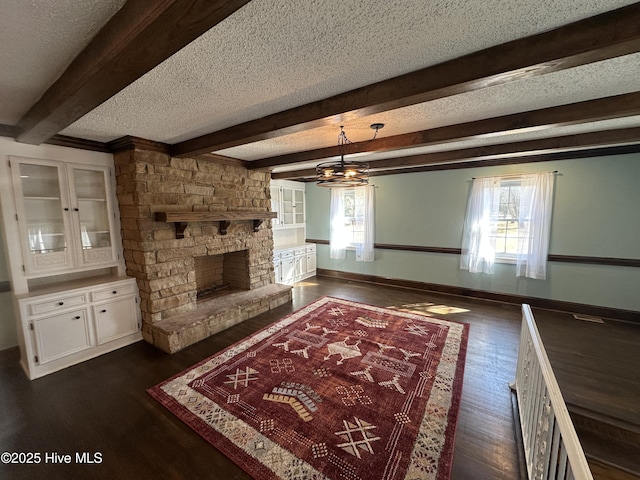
(510, 175)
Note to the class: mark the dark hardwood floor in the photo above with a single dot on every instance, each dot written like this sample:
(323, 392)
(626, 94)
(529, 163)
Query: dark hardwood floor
(596, 365)
(101, 406)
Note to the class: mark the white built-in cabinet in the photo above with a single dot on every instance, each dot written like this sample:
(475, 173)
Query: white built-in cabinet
(287, 200)
(293, 264)
(293, 258)
(72, 298)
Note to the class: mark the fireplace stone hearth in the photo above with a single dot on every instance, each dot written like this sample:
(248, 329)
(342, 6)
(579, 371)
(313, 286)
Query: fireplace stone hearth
(212, 316)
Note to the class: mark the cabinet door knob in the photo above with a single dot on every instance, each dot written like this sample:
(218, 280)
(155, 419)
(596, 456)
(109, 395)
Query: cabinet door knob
(60, 303)
(114, 292)
(66, 209)
(103, 311)
(75, 209)
(77, 317)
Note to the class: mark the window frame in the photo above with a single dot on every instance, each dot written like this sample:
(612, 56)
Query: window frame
(351, 192)
(507, 257)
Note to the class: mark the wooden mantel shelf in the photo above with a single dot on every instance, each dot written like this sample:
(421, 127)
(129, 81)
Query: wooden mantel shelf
(180, 219)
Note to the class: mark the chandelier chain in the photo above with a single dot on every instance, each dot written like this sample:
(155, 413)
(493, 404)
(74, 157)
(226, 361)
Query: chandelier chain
(342, 137)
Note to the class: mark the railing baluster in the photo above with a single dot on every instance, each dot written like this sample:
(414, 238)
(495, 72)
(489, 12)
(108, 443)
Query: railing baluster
(562, 467)
(555, 448)
(552, 448)
(550, 421)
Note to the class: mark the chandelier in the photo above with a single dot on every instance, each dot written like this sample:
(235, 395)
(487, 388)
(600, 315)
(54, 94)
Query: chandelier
(344, 174)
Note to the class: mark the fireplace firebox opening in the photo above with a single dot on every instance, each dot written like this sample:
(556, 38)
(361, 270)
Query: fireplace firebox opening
(220, 274)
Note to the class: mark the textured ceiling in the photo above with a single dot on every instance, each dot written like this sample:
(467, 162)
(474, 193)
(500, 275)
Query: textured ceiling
(272, 55)
(611, 77)
(276, 54)
(38, 40)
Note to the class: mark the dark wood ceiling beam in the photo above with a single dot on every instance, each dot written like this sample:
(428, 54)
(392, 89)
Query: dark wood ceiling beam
(571, 114)
(529, 147)
(487, 162)
(141, 35)
(608, 35)
(567, 145)
(12, 131)
(517, 160)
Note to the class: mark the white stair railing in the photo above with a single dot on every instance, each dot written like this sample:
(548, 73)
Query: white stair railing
(552, 449)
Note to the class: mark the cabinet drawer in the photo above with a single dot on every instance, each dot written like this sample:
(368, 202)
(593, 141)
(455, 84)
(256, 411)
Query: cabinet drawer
(276, 256)
(286, 254)
(113, 292)
(47, 306)
(310, 248)
(298, 251)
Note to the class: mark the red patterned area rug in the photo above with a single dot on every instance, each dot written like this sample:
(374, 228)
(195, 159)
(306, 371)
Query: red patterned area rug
(336, 390)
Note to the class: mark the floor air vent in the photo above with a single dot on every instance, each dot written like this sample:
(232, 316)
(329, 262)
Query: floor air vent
(587, 318)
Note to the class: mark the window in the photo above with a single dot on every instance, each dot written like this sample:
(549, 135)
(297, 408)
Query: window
(508, 219)
(507, 231)
(352, 220)
(353, 217)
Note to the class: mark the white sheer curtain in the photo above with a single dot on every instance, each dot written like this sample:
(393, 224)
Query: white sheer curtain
(534, 225)
(536, 205)
(478, 253)
(364, 201)
(337, 234)
(340, 237)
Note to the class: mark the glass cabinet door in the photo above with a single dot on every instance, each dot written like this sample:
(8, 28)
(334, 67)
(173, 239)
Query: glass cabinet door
(287, 206)
(92, 214)
(299, 206)
(43, 213)
(65, 215)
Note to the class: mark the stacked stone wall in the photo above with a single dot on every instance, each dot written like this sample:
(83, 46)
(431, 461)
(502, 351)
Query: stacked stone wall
(151, 181)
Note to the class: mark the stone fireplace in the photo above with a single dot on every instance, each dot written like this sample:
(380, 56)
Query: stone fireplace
(173, 261)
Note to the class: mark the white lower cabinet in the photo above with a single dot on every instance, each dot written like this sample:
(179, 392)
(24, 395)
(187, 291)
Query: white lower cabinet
(294, 264)
(114, 320)
(60, 329)
(287, 267)
(310, 252)
(61, 335)
(300, 259)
